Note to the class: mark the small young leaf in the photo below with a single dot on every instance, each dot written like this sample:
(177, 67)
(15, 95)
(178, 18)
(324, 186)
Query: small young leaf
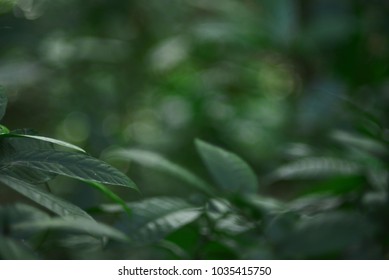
(71, 164)
(51, 202)
(230, 172)
(3, 130)
(3, 102)
(159, 163)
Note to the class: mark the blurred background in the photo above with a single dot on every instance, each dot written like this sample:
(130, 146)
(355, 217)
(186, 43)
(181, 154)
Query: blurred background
(268, 80)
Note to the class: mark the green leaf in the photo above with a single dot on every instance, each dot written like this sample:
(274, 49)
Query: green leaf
(263, 206)
(110, 194)
(225, 219)
(19, 212)
(359, 142)
(3, 130)
(154, 218)
(154, 161)
(45, 139)
(11, 249)
(9, 146)
(83, 226)
(230, 172)
(81, 242)
(316, 203)
(21, 143)
(3, 102)
(49, 201)
(320, 167)
(28, 175)
(327, 233)
(338, 185)
(71, 164)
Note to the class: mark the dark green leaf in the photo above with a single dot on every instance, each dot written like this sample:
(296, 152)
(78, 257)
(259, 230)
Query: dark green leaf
(154, 218)
(327, 233)
(71, 164)
(263, 205)
(159, 163)
(111, 195)
(230, 172)
(11, 249)
(9, 146)
(29, 175)
(225, 218)
(338, 185)
(16, 213)
(26, 144)
(233, 224)
(359, 142)
(51, 202)
(83, 226)
(19, 212)
(46, 139)
(315, 168)
(314, 204)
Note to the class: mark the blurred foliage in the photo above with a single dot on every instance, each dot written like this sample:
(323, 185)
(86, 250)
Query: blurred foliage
(299, 89)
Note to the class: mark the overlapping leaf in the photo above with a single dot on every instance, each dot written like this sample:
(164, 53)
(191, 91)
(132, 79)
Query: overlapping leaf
(45, 139)
(71, 164)
(47, 200)
(111, 195)
(11, 249)
(19, 212)
(9, 146)
(332, 232)
(315, 168)
(159, 163)
(231, 173)
(11, 214)
(82, 226)
(154, 218)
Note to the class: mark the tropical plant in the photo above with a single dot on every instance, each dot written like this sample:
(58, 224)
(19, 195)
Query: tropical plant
(28, 161)
(338, 211)
(272, 81)
(336, 206)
